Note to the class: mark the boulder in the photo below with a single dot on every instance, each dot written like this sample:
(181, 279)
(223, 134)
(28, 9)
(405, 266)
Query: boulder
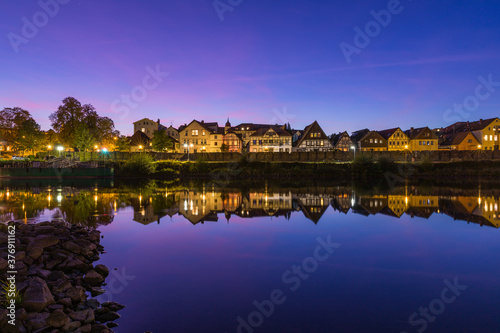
(57, 319)
(79, 315)
(93, 278)
(37, 296)
(44, 241)
(65, 301)
(71, 326)
(36, 321)
(77, 294)
(109, 316)
(72, 247)
(102, 270)
(113, 306)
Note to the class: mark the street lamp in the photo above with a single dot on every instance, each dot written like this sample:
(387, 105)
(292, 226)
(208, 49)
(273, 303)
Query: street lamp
(60, 149)
(354, 148)
(188, 148)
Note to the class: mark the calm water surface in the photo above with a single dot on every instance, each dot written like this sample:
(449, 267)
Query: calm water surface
(333, 259)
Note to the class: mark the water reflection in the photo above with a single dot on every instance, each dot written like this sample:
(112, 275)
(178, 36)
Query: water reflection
(98, 205)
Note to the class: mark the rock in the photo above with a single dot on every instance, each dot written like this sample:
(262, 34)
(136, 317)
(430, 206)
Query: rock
(75, 264)
(44, 241)
(51, 264)
(57, 319)
(92, 303)
(99, 328)
(37, 296)
(79, 315)
(93, 278)
(45, 229)
(57, 275)
(21, 314)
(96, 291)
(35, 252)
(65, 301)
(109, 316)
(77, 294)
(3, 315)
(28, 261)
(86, 328)
(20, 255)
(71, 326)
(43, 273)
(36, 321)
(72, 247)
(102, 270)
(113, 306)
(111, 324)
(61, 285)
(55, 306)
(3, 263)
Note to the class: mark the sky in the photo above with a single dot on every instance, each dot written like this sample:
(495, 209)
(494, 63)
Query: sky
(349, 65)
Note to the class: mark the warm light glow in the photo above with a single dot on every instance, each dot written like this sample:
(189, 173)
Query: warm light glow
(406, 147)
(478, 146)
(104, 150)
(95, 147)
(60, 148)
(49, 147)
(140, 147)
(59, 198)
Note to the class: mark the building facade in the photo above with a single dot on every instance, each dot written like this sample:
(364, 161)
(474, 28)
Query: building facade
(313, 139)
(342, 142)
(270, 140)
(396, 139)
(148, 126)
(366, 140)
(459, 141)
(422, 139)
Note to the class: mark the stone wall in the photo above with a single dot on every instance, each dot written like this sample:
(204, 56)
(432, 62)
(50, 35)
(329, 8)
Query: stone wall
(332, 156)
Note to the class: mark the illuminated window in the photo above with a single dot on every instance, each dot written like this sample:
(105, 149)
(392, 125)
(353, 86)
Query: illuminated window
(194, 132)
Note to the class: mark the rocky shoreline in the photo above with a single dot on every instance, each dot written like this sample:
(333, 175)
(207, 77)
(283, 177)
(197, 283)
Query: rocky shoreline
(54, 273)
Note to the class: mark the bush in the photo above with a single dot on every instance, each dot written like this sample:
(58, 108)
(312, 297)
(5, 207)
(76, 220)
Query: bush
(139, 165)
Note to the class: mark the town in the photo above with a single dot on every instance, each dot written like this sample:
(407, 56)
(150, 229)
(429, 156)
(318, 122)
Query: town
(79, 128)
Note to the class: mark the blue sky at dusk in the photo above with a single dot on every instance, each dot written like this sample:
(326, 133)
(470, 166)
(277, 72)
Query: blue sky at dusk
(267, 61)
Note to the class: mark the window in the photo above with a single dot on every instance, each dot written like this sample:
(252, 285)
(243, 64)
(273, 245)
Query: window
(203, 133)
(215, 137)
(469, 141)
(432, 143)
(194, 132)
(143, 129)
(420, 143)
(371, 140)
(254, 142)
(186, 133)
(215, 143)
(485, 138)
(491, 137)
(321, 143)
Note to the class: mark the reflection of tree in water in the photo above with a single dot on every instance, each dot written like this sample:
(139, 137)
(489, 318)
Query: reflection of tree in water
(88, 210)
(22, 205)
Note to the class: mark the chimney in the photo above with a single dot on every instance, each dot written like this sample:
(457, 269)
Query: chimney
(480, 121)
(203, 121)
(158, 121)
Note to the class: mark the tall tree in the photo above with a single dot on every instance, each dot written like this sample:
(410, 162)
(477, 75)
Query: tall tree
(18, 127)
(122, 143)
(72, 114)
(83, 139)
(29, 136)
(161, 141)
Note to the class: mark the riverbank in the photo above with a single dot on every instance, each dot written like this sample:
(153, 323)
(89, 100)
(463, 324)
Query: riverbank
(50, 275)
(363, 168)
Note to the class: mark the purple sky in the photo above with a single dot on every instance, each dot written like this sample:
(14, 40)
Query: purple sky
(267, 61)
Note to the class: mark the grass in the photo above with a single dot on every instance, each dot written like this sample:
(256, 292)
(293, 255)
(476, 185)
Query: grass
(5, 290)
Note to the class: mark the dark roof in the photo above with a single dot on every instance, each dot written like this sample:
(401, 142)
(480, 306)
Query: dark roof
(464, 126)
(337, 137)
(386, 134)
(454, 139)
(358, 135)
(254, 127)
(306, 132)
(279, 131)
(139, 138)
(413, 134)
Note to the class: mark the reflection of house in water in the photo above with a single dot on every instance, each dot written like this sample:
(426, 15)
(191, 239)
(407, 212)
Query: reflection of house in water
(372, 205)
(397, 205)
(200, 207)
(313, 206)
(479, 210)
(146, 215)
(342, 203)
(423, 205)
(266, 204)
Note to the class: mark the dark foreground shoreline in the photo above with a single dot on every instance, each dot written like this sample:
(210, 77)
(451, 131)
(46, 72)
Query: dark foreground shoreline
(52, 269)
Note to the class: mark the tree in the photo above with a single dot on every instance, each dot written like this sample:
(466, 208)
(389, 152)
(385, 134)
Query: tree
(161, 141)
(83, 139)
(29, 136)
(18, 127)
(122, 143)
(72, 114)
(224, 148)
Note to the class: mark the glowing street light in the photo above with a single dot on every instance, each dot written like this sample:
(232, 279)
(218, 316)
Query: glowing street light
(188, 148)
(60, 149)
(354, 148)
